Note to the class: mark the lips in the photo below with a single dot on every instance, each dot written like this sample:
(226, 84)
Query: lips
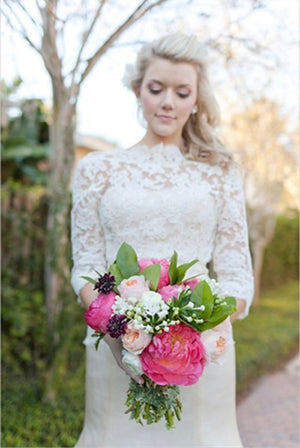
(165, 118)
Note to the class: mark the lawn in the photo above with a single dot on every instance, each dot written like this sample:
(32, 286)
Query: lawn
(264, 341)
(268, 337)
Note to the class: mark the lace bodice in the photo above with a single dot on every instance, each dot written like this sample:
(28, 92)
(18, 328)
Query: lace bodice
(158, 201)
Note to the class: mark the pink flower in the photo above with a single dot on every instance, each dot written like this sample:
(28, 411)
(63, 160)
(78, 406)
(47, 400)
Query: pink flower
(100, 311)
(174, 357)
(192, 283)
(217, 341)
(164, 274)
(167, 292)
(133, 287)
(135, 341)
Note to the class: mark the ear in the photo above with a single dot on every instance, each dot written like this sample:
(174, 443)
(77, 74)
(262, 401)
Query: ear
(137, 91)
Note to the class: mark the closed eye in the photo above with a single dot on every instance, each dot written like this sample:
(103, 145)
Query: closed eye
(155, 91)
(182, 95)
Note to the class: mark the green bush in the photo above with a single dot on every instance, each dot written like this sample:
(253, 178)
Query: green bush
(281, 262)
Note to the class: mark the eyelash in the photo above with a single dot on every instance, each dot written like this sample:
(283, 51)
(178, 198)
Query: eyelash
(156, 92)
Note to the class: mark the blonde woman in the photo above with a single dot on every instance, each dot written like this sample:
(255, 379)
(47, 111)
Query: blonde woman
(177, 189)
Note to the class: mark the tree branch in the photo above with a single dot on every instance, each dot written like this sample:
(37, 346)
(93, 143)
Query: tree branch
(20, 30)
(139, 12)
(49, 47)
(86, 36)
(35, 23)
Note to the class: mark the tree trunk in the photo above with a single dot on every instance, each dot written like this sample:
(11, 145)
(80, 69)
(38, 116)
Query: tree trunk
(57, 251)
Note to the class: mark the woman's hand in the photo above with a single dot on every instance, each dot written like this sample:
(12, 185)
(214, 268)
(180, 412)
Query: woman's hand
(116, 348)
(241, 305)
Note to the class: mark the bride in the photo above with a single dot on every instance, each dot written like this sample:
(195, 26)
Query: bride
(177, 189)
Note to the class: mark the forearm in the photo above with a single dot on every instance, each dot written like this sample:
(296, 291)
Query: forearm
(87, 294)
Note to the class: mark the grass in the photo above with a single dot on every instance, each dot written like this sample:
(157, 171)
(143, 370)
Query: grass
(264, 341)
(268, 337)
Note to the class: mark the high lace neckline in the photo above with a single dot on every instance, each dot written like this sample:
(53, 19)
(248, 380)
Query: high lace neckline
(161, 151)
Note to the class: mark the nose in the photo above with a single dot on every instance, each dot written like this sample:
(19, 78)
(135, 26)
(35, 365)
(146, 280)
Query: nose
(168, 100)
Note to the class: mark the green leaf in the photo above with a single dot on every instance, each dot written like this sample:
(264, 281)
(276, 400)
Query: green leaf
(89, 279)
(127, 261)
(100, 337)
(220, 311)
(208, 325)
(173, 271)
(183, 268)
(100, 275)
(152, 274)
(115, 271)
(202, 295)
(230, 301)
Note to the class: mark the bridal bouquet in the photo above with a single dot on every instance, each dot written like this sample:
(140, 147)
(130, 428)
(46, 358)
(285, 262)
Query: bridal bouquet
(170, 328)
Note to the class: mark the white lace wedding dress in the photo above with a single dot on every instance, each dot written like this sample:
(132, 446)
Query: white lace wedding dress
(158, 201)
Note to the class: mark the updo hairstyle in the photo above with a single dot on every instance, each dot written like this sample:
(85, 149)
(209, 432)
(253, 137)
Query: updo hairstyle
(200, 139)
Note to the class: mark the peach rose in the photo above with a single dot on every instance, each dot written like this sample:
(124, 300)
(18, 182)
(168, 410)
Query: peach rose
(135, 341)
(133, 287)
(217, 341)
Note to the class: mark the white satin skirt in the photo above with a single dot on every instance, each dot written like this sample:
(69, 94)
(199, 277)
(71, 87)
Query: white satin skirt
(208, 414)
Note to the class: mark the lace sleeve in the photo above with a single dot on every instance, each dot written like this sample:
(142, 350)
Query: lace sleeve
(86, 232)
(231, 256)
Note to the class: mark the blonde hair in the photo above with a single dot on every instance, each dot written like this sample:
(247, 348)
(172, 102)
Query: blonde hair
(201, 141)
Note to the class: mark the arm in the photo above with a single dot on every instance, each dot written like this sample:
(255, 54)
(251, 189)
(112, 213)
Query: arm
(86, 231)
(88, 239)
(231, 256)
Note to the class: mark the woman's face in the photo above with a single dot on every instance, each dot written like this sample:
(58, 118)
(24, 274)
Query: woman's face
(168, 94)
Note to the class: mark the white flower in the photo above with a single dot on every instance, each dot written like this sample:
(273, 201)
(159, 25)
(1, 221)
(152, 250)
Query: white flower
(215, 288)
(133, 362)
(152, 303)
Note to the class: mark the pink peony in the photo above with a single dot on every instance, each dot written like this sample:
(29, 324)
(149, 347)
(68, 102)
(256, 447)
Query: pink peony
(167, 292)
(192, 283)
(174, 357)
(133, 287)
(164, 273)
(100, 311)
(217, 342)
(135, 341)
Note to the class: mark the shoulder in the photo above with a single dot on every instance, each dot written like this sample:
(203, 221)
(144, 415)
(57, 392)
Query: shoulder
(98, 161)
(99, 157)
(230, 173)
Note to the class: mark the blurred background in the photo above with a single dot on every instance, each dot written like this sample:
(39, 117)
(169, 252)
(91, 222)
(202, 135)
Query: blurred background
(61, 97)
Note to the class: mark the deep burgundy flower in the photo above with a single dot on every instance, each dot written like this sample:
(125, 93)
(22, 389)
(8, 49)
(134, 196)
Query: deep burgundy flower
(105, 283)
(117, 325)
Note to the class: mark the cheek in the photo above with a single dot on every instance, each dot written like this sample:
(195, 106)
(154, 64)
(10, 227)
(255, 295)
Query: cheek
(186, 109)
(148, 104)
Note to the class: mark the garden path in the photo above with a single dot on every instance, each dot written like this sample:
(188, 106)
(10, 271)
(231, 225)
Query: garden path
(269, 416)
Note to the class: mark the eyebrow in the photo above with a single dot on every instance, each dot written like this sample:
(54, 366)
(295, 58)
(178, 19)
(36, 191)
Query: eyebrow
(161, 83)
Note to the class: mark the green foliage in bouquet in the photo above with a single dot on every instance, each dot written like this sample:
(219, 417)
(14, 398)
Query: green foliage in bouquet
(126, 265)
(200, 309)
(151, 402)
(177, 273)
